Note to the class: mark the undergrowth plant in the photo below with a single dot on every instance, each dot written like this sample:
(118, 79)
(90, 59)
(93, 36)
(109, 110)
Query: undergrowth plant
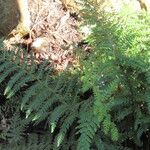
(118, 72)
(105, 106)
(39, 96)
(49, 106)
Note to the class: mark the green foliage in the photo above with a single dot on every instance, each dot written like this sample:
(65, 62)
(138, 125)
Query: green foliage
(88, 125)
(103, 107)
(32, 142)
(42, 97)
(117, 71)
(37, 97)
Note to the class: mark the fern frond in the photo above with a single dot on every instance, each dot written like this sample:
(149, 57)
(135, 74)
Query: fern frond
(43, 93)
(65, 127)
(57, 113)
(123, 113)
(32, 142)
(19, 85)
(13, 81)
(17, 128)
(31, 91)
(8, 72)
(88, 125)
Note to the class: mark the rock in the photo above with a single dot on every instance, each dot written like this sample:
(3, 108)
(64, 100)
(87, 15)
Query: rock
(39, 45)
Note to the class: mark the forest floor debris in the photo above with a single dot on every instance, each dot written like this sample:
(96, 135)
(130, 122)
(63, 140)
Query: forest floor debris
(53, 35)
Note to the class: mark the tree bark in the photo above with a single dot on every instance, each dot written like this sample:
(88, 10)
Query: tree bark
(14, 14)
(24, 14)
(143, 4)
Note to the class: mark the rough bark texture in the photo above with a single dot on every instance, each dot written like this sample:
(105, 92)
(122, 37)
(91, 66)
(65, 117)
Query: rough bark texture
(12, 13)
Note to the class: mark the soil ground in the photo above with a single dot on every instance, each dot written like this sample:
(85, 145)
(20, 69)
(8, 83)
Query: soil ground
(53, 35)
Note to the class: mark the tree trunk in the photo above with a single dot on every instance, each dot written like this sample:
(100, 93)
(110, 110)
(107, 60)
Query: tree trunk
(14, 14)
(143, 4)
(24, 14)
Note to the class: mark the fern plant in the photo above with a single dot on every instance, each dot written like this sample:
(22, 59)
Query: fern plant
(104, 106)
(117, 71)
(40, 96)
(32, 142)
